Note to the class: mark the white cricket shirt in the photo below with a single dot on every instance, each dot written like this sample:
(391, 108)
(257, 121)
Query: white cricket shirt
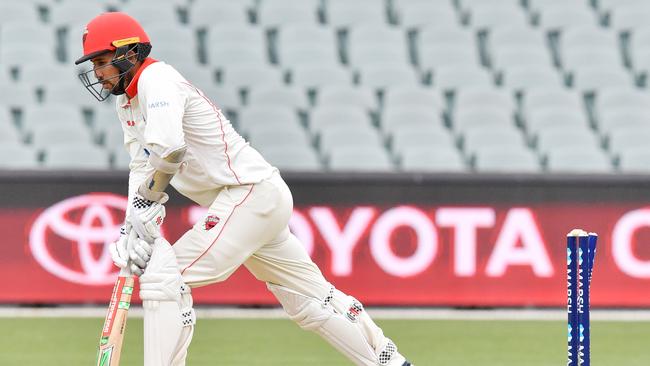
(162, 112)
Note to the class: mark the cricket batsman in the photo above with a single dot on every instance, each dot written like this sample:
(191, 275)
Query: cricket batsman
(176, 135)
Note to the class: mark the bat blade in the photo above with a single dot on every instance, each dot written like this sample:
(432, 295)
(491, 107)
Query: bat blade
(110, 342)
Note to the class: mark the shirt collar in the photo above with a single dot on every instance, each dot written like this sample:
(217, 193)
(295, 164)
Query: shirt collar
(132, 89)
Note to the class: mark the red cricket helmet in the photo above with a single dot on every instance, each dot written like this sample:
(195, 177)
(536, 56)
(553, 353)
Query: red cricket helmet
(108, 31)
(112, 32)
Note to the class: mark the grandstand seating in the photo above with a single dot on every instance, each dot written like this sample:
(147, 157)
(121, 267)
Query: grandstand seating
(386, 85)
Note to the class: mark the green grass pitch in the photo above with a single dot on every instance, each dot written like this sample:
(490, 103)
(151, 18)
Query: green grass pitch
(250, 342)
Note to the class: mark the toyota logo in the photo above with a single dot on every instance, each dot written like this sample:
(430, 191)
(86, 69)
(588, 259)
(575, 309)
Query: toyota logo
(70, 239)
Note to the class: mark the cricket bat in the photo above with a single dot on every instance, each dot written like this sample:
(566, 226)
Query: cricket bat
(110, 342)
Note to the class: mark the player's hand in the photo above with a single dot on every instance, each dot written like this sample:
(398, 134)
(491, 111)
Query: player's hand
(119, 249)
(146, 217)
(140, 254)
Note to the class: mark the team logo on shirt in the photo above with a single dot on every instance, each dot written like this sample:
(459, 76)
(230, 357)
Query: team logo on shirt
(210, 222)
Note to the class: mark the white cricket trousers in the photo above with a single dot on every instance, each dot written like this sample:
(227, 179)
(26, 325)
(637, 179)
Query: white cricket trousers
(252, 229)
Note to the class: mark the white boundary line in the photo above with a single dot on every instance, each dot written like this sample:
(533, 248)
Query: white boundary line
(378, 313)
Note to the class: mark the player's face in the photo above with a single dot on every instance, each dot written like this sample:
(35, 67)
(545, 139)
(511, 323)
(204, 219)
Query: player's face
(105, 73)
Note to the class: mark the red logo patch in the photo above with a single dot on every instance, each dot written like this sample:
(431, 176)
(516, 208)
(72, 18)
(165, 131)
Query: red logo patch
(211, 221)
(159, 220)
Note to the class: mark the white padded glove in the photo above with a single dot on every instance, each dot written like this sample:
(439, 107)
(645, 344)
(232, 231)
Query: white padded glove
(146, 217)
(120, 249)
(140, 254)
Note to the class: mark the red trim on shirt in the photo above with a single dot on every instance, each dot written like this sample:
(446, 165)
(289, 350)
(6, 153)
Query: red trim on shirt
(223, 133)
(132, 89)
(220, 231)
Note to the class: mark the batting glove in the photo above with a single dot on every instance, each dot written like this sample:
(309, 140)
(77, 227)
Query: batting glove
(146, 216)
(120, 249)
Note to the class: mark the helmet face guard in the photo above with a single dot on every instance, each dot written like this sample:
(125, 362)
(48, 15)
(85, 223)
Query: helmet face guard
(122, 64)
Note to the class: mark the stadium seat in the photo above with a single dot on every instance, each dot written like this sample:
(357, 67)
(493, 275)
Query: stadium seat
(484, 96)
(11, 11)
(202, 14)
(570, 160)
(403, 139)
(51, 114)
(481, 138)
(313, 77)
(435, 34)
(42, 75)
(574, 58)
(427, 13)
(578, 137)
(296, 54)
(264, 137)
(634, 161)
(629, 18)
(314, 34)
(640, 60)
(16, 55)
(277, 13)
(543, 97)
(114, 139)
(253, 116)
(485, 15)
(45, 136)
(432, 159)
(606, 6)
(278, 95)
(228, 34)
(621, 98)
(522, 78)
(17, 156)
(433, 56)
(68, 13)
(293, 158)
(623, 139)
(623, 117)
(17, 95)
(344, 14)
(510, 35)
(593, 79)
(76, 157)
(594, 37)
(387, 76)
(399, 6)
(74, 94)
(247, 76)
(535, 6)
(149, 13)
(506, 159)
(359, 96)
(35, 35)
(355, 159)
(236, 54)
(9, 133)
(322, 117)
(367, 55)
(468, 5)
(554, 117)
(556, 18)
(481, 117)
(449, 78)
(342, 137)
(513, 56)
(162, 35)
(426, 118)
(403, 96)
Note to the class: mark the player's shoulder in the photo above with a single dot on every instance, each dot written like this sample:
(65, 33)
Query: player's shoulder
(158, 73)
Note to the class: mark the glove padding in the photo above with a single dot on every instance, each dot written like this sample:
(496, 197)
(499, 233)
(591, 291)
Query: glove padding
(146, 217)
(140, 254)
(120, 249)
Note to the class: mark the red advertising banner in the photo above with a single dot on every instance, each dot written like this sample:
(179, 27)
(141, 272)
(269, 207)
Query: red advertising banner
(384, 255)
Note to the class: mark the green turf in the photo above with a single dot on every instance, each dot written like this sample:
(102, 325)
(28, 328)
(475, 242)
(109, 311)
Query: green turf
(279, 342)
